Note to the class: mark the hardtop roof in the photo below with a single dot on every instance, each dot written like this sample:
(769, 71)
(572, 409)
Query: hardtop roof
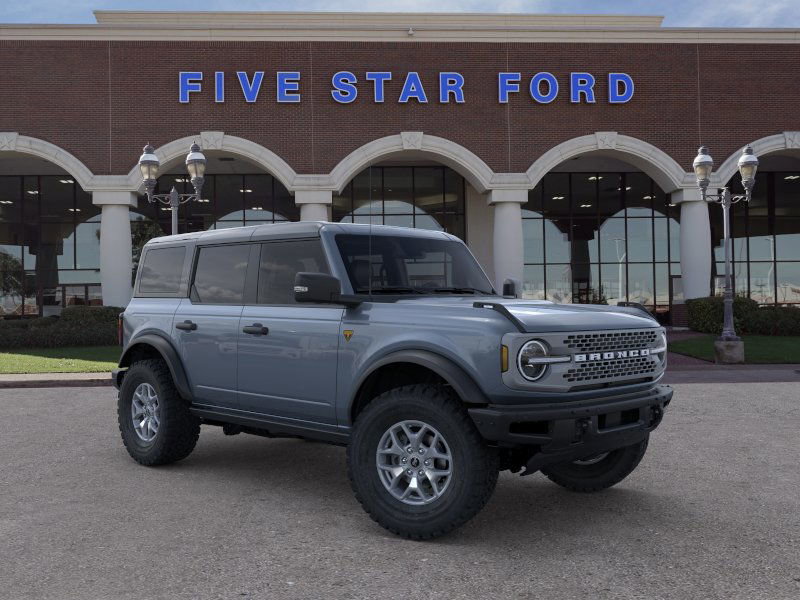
(291, 229)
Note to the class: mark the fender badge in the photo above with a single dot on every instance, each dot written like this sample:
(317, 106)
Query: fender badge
(348, 333)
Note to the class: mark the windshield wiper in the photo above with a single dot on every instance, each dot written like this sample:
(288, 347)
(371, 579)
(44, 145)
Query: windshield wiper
(397, 289)
(459, 290)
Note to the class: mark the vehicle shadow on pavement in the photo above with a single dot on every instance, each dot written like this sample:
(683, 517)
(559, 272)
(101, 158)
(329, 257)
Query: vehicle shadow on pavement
(311, 475)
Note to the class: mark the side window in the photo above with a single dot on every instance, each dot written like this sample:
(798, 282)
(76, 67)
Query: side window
(280, 262)
(220, 274)
(161, 271)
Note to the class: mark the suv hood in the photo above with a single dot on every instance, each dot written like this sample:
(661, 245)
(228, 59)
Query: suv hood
(541, 316)
(537, 317)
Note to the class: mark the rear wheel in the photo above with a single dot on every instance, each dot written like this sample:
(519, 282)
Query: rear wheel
(417, 464)
(156, 425)
(598, 472)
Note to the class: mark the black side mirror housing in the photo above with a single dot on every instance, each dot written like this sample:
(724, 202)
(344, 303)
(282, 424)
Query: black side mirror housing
(320, 288)
(509, 288)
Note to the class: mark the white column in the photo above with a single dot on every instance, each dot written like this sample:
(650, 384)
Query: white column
(314, 204)
(695, 243)
(480, 223)
(116, 261)
(507, 244)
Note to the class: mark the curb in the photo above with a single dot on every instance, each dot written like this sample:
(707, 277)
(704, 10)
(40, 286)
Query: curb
(23, 383)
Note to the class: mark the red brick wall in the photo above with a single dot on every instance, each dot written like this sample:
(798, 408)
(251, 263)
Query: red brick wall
(102, 101)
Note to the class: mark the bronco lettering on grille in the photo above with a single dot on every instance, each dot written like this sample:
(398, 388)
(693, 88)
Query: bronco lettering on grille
(611, 355)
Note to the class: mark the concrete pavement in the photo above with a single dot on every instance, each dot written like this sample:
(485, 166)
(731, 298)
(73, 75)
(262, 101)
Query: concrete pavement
(712, 512)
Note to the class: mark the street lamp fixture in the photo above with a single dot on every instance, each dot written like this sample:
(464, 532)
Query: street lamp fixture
(748, 165)
(195, 165)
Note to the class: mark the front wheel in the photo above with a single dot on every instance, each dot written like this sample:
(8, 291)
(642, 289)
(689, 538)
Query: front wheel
(595, 473)
(417, 464)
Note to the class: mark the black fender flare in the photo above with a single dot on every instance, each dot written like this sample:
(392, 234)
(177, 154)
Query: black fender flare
(461, 382)
(167, 351)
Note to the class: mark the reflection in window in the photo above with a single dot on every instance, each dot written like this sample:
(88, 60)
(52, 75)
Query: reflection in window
(600, 238)
(219, 274)
(49, 240)
(766, 239)
(228, 201)
(420, 197)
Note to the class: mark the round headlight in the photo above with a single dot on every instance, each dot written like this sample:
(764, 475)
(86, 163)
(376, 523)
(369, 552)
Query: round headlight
(532, 350)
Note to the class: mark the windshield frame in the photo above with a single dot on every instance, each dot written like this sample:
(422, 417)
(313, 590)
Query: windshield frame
(471, 276)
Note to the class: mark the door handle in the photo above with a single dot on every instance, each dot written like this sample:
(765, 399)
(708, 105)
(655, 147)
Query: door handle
(256, 329)
(186, 326)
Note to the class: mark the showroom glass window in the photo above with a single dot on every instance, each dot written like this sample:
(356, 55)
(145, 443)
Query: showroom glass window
(49, 246)
(600, 238)
(228, 201)
(766, 240)
(419, 197)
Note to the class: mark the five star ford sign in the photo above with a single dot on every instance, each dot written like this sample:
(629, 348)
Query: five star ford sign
(543, 87)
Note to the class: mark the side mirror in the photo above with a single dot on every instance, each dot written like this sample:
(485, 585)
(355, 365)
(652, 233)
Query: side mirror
(316, 287)
(320, 288)
(509, 288)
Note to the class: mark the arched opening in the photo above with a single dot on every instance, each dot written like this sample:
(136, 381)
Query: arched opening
(597, 229)
(418, 194)
(765, 233)
(419, 181)
(49, 238)
(236, 192)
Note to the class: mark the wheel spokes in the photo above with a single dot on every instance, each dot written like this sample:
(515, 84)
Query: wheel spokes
(414, 462)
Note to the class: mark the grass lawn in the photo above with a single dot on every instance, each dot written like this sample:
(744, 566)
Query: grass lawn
(92, 359)
(762, 349)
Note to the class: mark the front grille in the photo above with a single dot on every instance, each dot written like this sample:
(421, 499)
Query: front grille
(618, 340)
(612, 369)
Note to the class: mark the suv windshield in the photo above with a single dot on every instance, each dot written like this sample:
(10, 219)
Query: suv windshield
(388, 264)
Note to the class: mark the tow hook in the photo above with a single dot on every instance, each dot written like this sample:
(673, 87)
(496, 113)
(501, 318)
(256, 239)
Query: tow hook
(656, 414)
(581, 427)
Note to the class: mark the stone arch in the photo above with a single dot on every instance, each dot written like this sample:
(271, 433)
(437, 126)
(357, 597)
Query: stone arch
(781, 142)
(444, 151)
(218, 140)
(11, 141)
(656, 163)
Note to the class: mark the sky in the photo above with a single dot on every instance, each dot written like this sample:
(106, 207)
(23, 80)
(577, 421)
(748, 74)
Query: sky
(678, 13)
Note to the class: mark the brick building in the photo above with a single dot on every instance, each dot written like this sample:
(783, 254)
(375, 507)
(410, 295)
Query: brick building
(558, 147)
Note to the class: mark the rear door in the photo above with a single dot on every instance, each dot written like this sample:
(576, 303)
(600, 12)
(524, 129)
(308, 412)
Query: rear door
(207, 323)
(288, 352)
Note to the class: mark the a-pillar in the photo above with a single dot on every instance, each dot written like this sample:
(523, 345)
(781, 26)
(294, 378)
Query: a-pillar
(116, 255)
(695, 243)
(507, 244)
(315, 205)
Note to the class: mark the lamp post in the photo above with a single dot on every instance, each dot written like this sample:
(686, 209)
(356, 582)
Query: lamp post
(195, 164)
(703, 165)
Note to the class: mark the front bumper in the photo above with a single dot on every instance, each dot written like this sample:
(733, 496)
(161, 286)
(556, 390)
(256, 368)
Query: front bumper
(570, 431)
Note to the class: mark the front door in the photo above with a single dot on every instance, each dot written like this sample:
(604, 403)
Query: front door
(288, 352)
(207, 323)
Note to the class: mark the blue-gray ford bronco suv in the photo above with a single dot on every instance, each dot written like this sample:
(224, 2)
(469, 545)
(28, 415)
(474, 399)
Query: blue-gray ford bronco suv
(392, 342)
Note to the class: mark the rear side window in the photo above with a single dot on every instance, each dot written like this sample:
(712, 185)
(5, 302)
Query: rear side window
(280, 262)
(161, 271)
(220, 274)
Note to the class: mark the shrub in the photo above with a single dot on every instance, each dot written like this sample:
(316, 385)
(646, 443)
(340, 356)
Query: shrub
(706, 315)
(91, 314)
(776, 321)
(77, 326)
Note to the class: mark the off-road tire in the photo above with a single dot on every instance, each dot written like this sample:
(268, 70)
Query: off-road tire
(475, 465)
(178, 429)
(599, 476)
